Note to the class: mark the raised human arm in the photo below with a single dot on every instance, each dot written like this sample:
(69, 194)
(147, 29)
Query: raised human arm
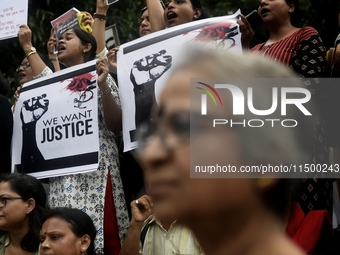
(140, 212)
(52, 42)
(247, 32)
(156, 13)
(99, 24)
(112, 111)
(25, 39)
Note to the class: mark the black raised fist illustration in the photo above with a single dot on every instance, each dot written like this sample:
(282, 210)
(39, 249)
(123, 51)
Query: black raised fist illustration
(143, 76)
(31, 111)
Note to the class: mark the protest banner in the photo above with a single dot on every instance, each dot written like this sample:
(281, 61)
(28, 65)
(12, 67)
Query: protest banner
(65, 21)
(145, 64)
(56, 124)
(12, 15)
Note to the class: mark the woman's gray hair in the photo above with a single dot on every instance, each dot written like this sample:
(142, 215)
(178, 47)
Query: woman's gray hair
(260, 145)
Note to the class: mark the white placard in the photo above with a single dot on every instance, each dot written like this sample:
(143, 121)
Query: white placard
(56, 124)
(145, 64)
(12, 15)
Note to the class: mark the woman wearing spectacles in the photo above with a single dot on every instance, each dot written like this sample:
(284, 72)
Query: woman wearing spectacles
(25, 73)
(22, 207)
(229, 213)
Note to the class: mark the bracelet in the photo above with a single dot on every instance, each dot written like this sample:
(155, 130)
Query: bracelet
(99, 16)
(53, 59)
(29, 54)
(104, 92)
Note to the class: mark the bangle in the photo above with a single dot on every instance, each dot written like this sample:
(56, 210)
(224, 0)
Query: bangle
(54, 59)
(99, 16)
(30, 53)
(104, 92)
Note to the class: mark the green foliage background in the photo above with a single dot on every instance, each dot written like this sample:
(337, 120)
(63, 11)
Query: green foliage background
(322, 15)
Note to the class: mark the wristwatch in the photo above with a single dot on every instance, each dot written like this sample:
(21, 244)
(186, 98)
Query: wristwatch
(30, 51)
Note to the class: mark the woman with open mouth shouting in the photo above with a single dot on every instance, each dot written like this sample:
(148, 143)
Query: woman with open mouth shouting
(76, 46)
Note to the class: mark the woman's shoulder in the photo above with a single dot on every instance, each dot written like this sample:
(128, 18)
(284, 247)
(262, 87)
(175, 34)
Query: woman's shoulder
(307, 32)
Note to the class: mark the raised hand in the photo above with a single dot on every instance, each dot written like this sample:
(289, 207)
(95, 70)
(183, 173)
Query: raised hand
(112, 57)
(33, 109)
(51, 43)
(17, 93)
(247, 32)
(25, 37)
(88, 19)
(141, 208)
(102, 71)
(101, 5)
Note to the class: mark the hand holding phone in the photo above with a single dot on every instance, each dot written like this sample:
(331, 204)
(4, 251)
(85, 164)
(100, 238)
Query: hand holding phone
(254, 19)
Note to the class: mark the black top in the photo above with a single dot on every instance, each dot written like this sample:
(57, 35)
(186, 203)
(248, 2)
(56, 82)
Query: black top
(6, 130)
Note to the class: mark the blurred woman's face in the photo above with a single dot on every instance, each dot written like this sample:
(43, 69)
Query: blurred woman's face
(70, 49)
(25, 72)
(57, 238)
(166, 159)
(274, 11)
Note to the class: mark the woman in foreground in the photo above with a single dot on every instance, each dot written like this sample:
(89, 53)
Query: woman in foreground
(229, 214)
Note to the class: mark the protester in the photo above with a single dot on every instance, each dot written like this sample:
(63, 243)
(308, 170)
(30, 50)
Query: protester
(67, 231)
(302, 50)
(22, 207)
(228, 216)
(176, 13)
(25, 73)
(147, 235)
(109, 211)
(144, 23)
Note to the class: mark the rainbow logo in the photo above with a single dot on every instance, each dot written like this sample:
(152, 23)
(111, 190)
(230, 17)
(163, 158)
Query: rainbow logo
(204, 97)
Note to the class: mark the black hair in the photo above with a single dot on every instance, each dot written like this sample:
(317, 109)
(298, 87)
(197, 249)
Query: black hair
(85, 38)
(81, 223)
(143, 10)
(196, 4)
(298, 14)
(27, 187)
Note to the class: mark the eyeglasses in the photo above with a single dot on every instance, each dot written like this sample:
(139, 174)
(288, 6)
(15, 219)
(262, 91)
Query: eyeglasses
(177, 129)
(4, 200)
(25, 65)
(173, 131)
